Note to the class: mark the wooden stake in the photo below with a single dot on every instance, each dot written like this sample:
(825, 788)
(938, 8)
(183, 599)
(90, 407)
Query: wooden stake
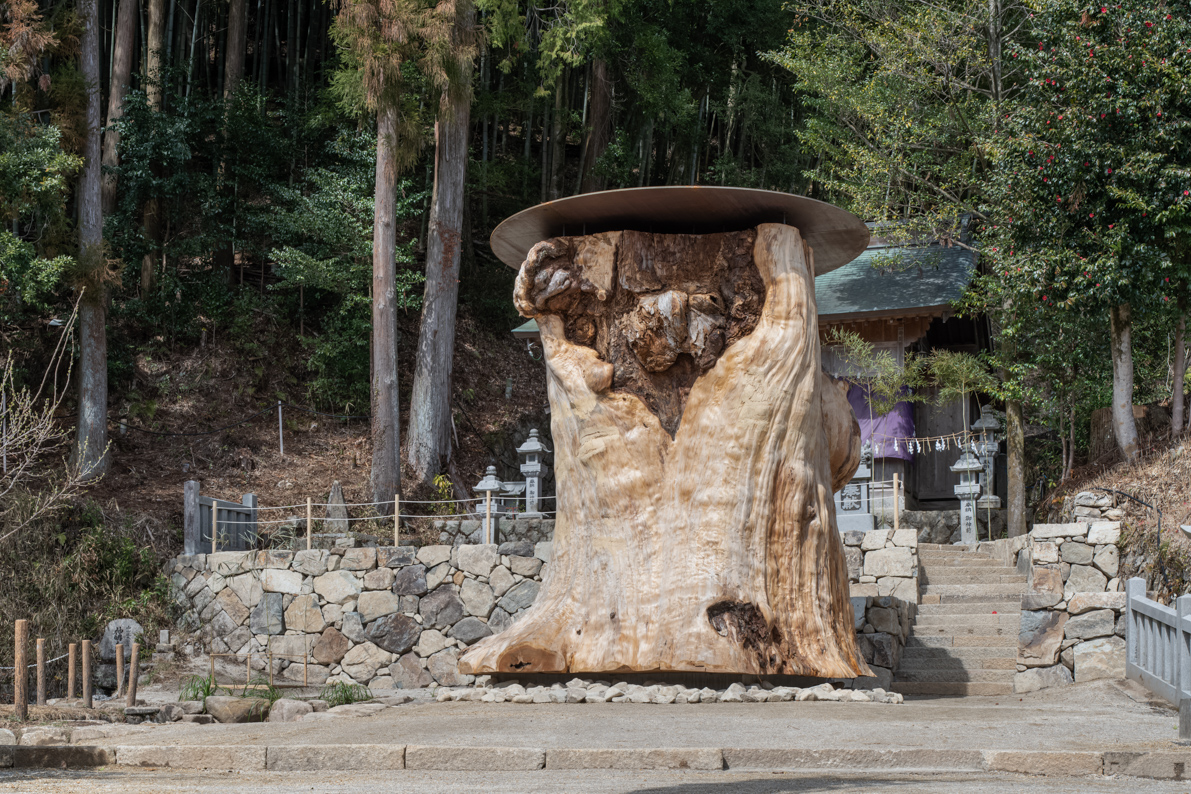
(309, 520)
(119, 669)
(40, 671)
(20, 673)
(86, 674)
(396, 520)
(133, 674)
(72, 652)
(896, 503)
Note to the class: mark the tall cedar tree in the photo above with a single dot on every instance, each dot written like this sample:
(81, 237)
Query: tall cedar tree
(1092, 190)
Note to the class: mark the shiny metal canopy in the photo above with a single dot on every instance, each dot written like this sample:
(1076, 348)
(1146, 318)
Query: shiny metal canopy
(836, 236)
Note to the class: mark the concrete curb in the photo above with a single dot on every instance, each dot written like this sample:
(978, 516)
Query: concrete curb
(1157, 764)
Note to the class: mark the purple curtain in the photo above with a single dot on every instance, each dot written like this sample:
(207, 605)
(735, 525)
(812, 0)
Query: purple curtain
(882, 430)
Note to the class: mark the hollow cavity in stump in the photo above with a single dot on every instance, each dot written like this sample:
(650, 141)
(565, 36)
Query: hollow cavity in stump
(697, 445)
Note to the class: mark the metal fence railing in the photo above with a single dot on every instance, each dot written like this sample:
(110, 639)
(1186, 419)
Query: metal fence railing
(1158, 643)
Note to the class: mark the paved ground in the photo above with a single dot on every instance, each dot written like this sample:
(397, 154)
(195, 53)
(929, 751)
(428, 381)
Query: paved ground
(589, 782)
(1094, 717)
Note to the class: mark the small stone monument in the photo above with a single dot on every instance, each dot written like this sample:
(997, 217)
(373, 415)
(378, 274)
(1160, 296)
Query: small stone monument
(853, 509)
(336, 511)
(969, 468)
(533, 466)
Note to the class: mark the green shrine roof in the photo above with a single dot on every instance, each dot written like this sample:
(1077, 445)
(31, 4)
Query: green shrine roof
(909, 281)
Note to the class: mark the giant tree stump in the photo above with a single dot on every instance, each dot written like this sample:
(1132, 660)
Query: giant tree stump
(697, 447)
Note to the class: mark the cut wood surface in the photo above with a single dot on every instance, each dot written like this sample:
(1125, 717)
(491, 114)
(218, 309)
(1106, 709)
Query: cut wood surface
(695, 527)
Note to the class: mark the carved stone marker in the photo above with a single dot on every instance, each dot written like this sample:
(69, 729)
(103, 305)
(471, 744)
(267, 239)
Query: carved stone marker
(697, 447)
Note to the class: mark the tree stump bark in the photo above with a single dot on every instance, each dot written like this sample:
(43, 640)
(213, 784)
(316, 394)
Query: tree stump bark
(697, 444)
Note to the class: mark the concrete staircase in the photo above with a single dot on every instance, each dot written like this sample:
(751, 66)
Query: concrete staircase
(964, 640)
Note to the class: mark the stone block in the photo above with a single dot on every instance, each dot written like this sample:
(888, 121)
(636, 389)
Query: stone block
(1100, 658)
(247, 587)
(222, 625)
(499, 620)
(431, 556)
(902, 589)
(520, 596)
(293, 647)
(374, 604)
(897, 561)
(1093, 499)
(289, 710)
(475, 759)
(304, 615)
(352, 627)
(854, 557)
(330, 647)
(1048, 531)
(859, 605)
(544, 551)
(308, 674)
(312, 562)
(380, 579)
(237, 757)
(274, 558)
(1104, 533)
(1036, 678)
(395, 556)
(361, 559)
(477, 598)
(408, 673)
(268, 617)
(1086, 602)
(875, 539)
(525, 566)
(635, 758)
(469, 630)
(230, 603)
(1045, 552)
(852, 537)
(1084, 579)
(442, 608)
(1108, 560)
(1076, 553)
(337, 587)
(362, 661)
(410, 580)
(905, 537)
(395, 633)
(879, 649)
(430, 642)
(123, 631)
(444, 668)
(501, 580)
(437, 575)
(884, 620)
(230, 563)
(1039, 638)
(335, 757)
(478, 560)
(235, 710)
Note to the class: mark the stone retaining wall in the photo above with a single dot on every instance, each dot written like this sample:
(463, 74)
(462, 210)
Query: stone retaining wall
(399, 617)
(458, 532)
(1072, 621)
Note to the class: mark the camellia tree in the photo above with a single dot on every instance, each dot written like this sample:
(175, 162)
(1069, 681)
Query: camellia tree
(1091, 192)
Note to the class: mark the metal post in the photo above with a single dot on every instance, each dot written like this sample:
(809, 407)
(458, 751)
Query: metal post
(191, 522)
(20, 673)
(86, 674)
(71, 662)
(280, 431)
(247, 532)
(133, 674)
(215, 527)
(119, 669)
(40, 671)
(396, 520)
(309, 520)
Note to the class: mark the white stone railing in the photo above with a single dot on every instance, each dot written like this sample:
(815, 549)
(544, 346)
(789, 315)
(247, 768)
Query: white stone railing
(1158, 653)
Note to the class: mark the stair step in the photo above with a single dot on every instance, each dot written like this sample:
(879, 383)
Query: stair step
(957, 674)
(943, 547)
(955, 561)
(983, 590)
(973, 576)
(965, 631)
(963, 641)
(961, 622)
(1007, 607)
(936, 599)
(1003, 662)
(938, 688)
(959, 654)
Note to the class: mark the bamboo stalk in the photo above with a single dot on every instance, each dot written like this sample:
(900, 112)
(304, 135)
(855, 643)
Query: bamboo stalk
(20, 673)
(72, 651)
(86, 674)
(309, 520)
(40, 671)
(896, 503)
(133, 666)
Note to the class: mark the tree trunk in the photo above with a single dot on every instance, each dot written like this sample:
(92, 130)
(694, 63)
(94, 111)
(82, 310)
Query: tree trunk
(386, 428)
(601, 125)
(558, 138)
(237, 39)
(1177, 401)
(92, 439)
(153, 47)
(1123, 424)
(121, 73)
(429, 445)
(1015, 468)
(697, 449)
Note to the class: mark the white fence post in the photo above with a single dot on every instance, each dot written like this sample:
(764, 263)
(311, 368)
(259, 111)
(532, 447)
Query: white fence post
(1135, 589)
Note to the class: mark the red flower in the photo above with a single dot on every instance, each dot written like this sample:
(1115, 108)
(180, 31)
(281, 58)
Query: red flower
(1091, 215)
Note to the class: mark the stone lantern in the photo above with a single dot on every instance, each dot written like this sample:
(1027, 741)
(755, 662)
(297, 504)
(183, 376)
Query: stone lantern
(533, 466)
(969, 468)
(987, 447)
(488, 486)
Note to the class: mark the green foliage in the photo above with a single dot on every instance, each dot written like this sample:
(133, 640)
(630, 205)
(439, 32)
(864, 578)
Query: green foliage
(958, 374)
(341, 693)
(197, 687)
(885, 381)
(259, 687)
